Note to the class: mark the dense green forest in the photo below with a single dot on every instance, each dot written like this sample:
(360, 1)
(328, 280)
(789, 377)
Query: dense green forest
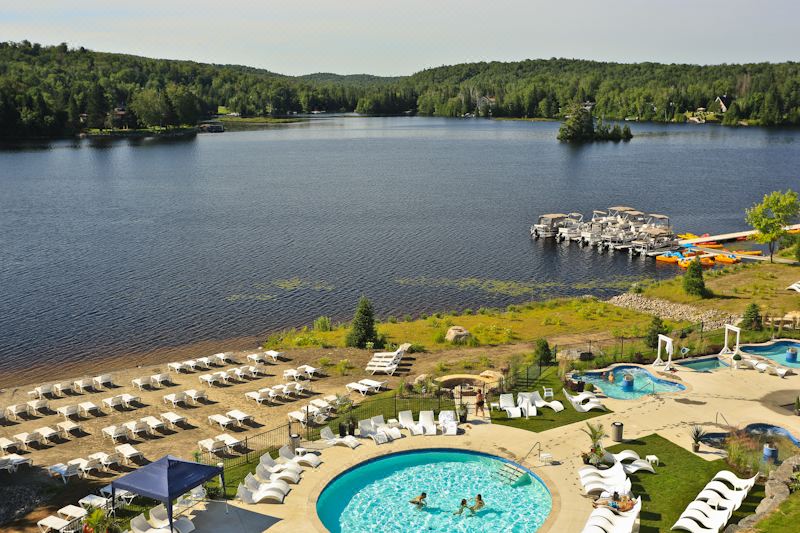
(50, 91)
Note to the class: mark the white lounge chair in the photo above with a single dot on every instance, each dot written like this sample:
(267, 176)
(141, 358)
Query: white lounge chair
(239, 417)
(385, 368)
(258, 396)
(8, 444)
(26, 439)
(527, 408)
(256, 485)
(448, 423)
(230, 441)
(637, 466)
(140, 383)
(304, 417)
(175, 398)
(191, 365)
(104, 380)
(292, 373)
(308, 370)
(128, 452)
(540, 403)
(196, 395)
(140, 525)
(80, 385)
(114, 401)
(308, 459)
(332, 440)
(376, 386)
(273, 466)
(46, 433)
(85, 408)
(67, 411)
(35, 407)
(778, 371)
(794, 287)
(64, 471)
(245, 495)
(507, 401)
(153, 423)
(406, 419)
(85, 466)
(256, 357)
(735, 481)
(12, 412)
(157, 380)
(687, 524)
(173, 419)
(212, 445)
(61, 389)
(592, 472)
(136, 428)
(106, 459)
(40, 391)
(176, 366)
(159, 519)
(380, 425)
(748, 363)
(286, 476)
(367, 430)
(358, 387)
(208, 379)
(52, 523)
(584, 407)
(128, 400)
(272, 354)
(222, 420)
(426, 423)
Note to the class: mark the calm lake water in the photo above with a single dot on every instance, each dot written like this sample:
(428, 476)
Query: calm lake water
(124, 247)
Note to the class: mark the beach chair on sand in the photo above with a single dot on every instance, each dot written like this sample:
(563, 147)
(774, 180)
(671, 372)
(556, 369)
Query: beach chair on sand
(358, 387)
(104, 380)
(196, 396)
(175, 398)
(128, 452)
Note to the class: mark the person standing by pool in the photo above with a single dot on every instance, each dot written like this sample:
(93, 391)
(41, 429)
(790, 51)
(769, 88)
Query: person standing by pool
(479, 401)
(478, 505)
(462, 507)
(419, 501)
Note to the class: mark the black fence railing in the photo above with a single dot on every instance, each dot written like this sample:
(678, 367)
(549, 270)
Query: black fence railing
(251, 448)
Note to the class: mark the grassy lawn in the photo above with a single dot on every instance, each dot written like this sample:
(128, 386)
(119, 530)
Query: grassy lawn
(784, 519)
(517, 323)
(546, 418)
(736, 287)
(679, 478)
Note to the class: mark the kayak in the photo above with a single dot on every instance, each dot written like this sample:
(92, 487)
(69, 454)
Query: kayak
(748, 252)
(704, 262)
(730, 259)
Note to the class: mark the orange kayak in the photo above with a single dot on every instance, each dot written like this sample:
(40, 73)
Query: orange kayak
(748, 252)
(710, 245)
(730, 259)
(704, 262)
(667, 258)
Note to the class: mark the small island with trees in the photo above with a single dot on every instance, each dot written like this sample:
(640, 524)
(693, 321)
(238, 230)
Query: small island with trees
(579, 126)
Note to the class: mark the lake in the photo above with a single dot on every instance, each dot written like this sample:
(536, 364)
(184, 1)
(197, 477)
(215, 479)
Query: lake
(125, 247)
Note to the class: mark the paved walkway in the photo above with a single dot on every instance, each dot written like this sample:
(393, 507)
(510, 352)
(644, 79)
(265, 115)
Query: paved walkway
(741, 396)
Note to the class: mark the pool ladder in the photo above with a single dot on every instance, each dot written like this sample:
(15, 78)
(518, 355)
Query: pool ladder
(510, 473)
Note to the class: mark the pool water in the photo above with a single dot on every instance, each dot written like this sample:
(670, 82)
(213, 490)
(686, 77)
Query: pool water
(374, 496)
(707, 364)
(775, 351)
(717, 440)
(643, 383)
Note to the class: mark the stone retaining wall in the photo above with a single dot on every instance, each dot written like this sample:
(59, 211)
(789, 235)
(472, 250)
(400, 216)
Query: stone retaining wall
(673, 311)
(776, 490)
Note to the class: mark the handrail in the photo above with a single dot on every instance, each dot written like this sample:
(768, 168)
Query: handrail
(535, 444)
(648, 385)
(717, 417)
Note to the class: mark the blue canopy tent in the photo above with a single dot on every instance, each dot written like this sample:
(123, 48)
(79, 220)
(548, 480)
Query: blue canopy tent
(166, 479)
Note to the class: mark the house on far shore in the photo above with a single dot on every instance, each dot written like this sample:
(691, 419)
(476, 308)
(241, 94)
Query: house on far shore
(724, 102)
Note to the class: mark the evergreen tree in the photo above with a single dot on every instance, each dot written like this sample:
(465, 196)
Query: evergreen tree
(578, 126)
(751, 319)
(693, 283)
(657, 327)
(362, 329)
(96, 107)
(542, 351)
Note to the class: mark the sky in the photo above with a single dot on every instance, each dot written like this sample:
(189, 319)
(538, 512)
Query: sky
(404, 36)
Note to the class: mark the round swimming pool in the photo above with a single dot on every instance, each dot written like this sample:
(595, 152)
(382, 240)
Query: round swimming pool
(374, 496)
(776, 350)
(643, 382)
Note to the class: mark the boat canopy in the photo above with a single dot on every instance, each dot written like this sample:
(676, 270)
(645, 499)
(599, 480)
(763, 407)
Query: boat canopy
(634, 213)
(620, 208)
(656, 232)
(662, 217)
(554, 215)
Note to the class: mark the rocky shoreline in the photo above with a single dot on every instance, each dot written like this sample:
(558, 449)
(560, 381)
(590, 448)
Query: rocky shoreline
(17, 501)
(673, 311)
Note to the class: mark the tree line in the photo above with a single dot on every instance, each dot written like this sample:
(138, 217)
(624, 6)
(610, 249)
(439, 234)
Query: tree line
(50, 91)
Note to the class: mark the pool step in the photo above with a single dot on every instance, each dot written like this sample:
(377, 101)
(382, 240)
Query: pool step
(510, 473)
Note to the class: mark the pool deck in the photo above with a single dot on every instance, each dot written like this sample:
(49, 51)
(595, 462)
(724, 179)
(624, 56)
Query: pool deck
(741, 396)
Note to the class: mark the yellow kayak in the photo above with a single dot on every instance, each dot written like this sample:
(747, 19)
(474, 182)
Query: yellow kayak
(748, 252)
(704, 262)
(730, 259)
(667, 258)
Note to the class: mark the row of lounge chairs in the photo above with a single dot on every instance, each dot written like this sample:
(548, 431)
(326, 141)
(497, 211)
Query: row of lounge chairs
(365, 386)
(96, 383)
(615, 478)
(280, 392)
(762, 366)
(387, 362)
(231, 418)
(184, 397)
(605, 520)
(301, 372)
(222, 443)
(202, 363)
(158, 522)
(128, 401)
(124, 454)
(11, 462)
(714, 505)
(30, 408)
(241, 374)
(147, 425)
(264, 356)
(271, 480)
(527, 404)
(83, 409)
(585, 402)
(42, 435)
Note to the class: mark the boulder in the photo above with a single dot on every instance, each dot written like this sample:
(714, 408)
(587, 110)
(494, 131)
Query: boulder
(421, 378)
(457, 334)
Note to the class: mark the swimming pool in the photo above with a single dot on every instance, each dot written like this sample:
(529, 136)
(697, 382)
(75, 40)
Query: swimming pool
(706, 364)
(643, 383)
(717, 440)
(374, 495)
(775, 350)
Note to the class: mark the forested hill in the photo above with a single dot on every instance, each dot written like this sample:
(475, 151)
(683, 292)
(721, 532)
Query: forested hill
(48, 91)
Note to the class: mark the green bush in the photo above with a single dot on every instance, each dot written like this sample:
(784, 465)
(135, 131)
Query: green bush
(439, 338)
(657, 327)
(325, 362)
(467, 311)
(407, 318)
(541, 350)
(392, 319)
(322, 323)
(343, 367)
(693, 283)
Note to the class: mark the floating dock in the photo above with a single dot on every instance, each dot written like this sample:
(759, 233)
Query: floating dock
(729, 236)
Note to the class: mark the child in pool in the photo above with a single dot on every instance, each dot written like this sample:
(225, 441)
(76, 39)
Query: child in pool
(419, 501)
(462, 507)
(478, 505)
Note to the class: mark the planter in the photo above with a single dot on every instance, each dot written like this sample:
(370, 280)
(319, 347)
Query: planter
(770, 454)
(351, 429)
(342, 430)
(695, 447)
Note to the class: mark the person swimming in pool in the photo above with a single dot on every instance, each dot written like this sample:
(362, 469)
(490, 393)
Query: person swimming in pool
(462, 507)
(478, 505)
(419, 501)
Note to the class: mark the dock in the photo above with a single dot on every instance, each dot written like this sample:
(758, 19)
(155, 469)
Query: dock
(729, 236)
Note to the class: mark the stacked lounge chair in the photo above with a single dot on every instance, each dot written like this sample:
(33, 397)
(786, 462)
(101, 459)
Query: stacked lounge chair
(584, 402)
(712, 508)
(387, 362)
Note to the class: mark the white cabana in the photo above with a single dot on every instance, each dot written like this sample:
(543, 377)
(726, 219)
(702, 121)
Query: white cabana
(726, 350)
(665, 341)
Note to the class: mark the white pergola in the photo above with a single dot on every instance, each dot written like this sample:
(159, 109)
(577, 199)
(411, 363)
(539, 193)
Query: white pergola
(665, 341)
(726, 350)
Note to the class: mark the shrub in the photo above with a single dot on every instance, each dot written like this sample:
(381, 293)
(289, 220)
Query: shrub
(343, 367)
(392, 319)
(441, 367)
(588, 387)
(541, 350)
(407, 318)
(322, 323)
(362, 329)
(467, 311)
(325, 362)
(693, 283)
(415, 348)
(656, 328)
(751, 319)
(439, 337)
